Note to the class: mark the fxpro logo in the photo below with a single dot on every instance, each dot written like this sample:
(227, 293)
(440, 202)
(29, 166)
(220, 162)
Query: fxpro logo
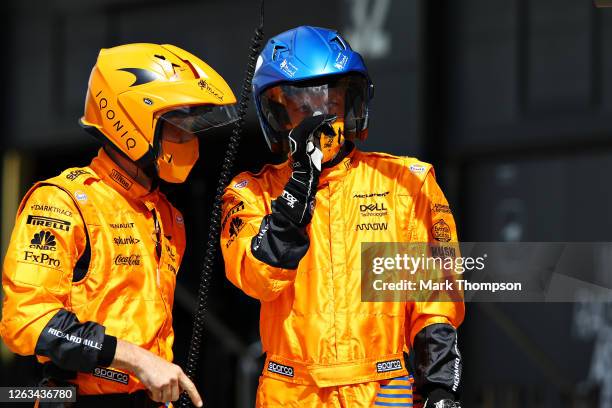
(280, 369)
(111, 375)
(386, 366)
(41, 259)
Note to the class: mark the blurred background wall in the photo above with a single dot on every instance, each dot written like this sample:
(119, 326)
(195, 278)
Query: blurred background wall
(510, 100)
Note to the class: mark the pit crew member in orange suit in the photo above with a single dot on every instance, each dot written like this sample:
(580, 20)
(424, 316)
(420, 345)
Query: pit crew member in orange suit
(292, 234)
(90, 272)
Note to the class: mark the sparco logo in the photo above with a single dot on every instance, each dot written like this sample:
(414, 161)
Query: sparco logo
(125, 241)
(42, 259)
(129, 260)
(121, 179)
(291, 200)
(375, 226)
(76, 173)
(369, 195)
(391, 365)
(111, 375)
(48, 222)
(280, 369)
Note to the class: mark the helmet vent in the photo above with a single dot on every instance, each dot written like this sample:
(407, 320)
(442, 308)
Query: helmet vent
(160, 57)
(338, 42)
(277, 51)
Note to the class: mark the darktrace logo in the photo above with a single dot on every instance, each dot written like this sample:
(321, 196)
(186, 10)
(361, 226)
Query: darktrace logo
(211, 89)
(51, 209)
(121, 179)
(111, 375)
(373, 210)
(370, 195)
(125, 241)
(386, 366)
(237, 208)
(127, 260)
(44, 241)
(441, 231)
(76, 173)
(41, 259)
(280, 369)
(48, 222)
(373, 226)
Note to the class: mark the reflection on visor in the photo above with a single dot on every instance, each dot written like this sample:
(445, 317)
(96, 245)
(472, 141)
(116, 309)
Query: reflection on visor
(285, 106)
(196, 119)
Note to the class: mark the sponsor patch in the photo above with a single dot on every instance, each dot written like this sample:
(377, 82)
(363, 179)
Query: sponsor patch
(121, 179)
(180, 220)
(417, 168)
(48, 222)
(280, 369)
(128, 260)
(43, 241)
(126, 240)
(111, 375)
(373, 210)
(374, 226)
(237, 208)
(369, 195)
(211, 89)
(121, 225)
(441, 231)
(386, 366)
(41, 259)
(440, 208)
(341, 61)
(51, 209)
(241, 184)
(76, 173)
(291, 200)
(81, 196)
(288, 68)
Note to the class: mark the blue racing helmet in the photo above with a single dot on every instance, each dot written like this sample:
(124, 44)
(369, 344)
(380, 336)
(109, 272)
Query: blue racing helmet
(307, 71)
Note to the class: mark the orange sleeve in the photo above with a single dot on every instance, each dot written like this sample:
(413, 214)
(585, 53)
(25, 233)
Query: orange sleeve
(432, 222)
(46, 242)
(241, 219)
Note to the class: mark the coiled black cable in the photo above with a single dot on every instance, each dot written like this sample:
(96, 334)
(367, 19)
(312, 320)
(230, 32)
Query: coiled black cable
(213, 233)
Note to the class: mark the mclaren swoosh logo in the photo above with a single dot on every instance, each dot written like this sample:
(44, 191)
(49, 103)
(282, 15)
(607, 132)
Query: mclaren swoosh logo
(143, 76)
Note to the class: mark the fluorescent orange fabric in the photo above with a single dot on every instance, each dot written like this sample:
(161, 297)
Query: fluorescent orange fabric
(314, 327)
(273, 393)
(127, 288)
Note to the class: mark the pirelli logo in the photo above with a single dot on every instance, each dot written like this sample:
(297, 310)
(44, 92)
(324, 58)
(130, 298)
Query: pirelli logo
(111, 375)
(280, 369)
(48, 222)
(386, 366)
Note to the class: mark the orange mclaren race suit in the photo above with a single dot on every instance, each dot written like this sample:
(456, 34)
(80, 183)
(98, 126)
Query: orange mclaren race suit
(323, 345)
(93, 258)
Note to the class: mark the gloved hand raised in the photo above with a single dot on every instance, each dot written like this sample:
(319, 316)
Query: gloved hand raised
(297, 200)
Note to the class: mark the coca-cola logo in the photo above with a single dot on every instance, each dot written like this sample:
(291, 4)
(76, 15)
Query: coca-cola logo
(130, 260)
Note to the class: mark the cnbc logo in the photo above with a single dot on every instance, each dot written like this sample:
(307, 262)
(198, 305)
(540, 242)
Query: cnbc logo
(44, 241)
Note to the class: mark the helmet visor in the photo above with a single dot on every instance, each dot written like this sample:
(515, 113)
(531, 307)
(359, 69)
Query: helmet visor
(195, 119)
(285, 106)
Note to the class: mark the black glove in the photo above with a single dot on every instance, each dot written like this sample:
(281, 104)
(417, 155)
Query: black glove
(297, 200)
(439, 398)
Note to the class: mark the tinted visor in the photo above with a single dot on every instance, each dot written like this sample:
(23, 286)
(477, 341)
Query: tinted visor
(195, 119)
(285, 106)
